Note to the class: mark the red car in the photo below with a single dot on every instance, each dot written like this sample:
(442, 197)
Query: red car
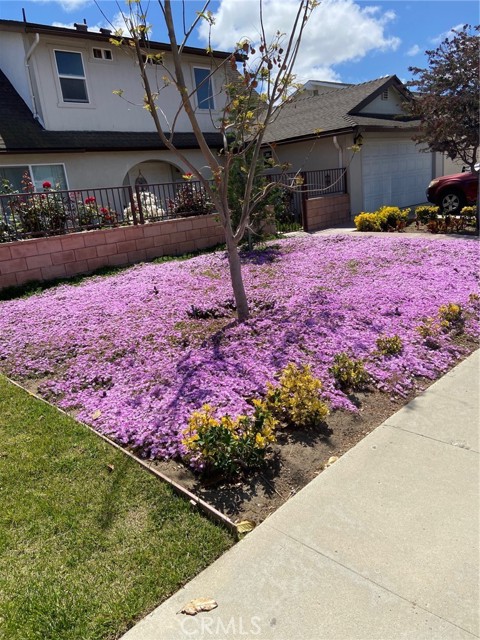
(452, 193)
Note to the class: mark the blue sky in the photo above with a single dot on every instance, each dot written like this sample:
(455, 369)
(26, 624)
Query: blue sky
(346, 40)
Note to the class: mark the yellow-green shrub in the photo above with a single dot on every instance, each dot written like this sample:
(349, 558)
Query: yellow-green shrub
(386, 218)
(367, 222)
(470, 214)
(392, 217)
(425, 213)
(295, 401)
(228, 445)
(389, 345)
(451, 316)
(348, 372)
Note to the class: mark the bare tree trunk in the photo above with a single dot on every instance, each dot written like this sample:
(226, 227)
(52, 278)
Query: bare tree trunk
(238, 287)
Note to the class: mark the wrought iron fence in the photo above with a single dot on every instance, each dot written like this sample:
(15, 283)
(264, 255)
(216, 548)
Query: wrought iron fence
(32, 214)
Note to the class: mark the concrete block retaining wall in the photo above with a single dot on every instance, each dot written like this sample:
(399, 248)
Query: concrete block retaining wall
(84, 252)
(327, 211)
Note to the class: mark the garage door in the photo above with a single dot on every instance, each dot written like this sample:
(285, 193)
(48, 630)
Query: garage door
(394, 173)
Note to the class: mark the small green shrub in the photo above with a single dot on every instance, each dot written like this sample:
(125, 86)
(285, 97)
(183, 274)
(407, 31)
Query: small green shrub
(424, 214)
(228, 445)
(348, 372)
(295, 401)
(428, 328)
(389, 345)
(451, 316)
(469, 212)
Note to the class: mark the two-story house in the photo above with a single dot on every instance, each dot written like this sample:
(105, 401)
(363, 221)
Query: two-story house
(61, 121)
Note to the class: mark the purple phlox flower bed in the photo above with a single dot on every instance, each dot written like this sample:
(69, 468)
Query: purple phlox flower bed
(134, 354)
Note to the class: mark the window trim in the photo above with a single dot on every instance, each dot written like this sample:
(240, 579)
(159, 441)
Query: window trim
(210, 80)
(70, 77)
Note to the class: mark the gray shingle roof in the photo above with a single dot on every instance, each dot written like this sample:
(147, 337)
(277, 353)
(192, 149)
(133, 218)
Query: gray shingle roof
(21, 133)
(333, 111)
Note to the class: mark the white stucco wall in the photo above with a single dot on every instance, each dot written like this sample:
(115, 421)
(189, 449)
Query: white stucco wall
(387, 107)
(313, 154)
(106, 111)
(95, 170)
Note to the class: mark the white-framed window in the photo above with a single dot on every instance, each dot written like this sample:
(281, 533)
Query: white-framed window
(204, 88)
(71, 74)
(384, 95)
(102, 54)
(39, 173)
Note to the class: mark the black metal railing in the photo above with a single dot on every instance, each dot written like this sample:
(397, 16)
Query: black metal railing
(34, 214)
(300, 186)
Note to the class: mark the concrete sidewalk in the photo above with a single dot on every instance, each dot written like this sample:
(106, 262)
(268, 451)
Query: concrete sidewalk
(382, 545)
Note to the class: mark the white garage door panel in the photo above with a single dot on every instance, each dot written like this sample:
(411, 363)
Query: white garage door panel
(394, 173)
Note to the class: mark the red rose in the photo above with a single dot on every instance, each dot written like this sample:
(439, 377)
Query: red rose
(47, 185)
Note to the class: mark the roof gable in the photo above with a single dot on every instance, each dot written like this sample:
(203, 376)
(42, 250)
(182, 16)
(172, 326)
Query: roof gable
(393, 86)
(340, 110)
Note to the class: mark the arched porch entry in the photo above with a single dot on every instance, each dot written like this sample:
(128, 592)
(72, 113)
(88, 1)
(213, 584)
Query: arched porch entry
(152, 172)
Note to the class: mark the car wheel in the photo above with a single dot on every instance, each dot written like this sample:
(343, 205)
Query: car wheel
(452, 202)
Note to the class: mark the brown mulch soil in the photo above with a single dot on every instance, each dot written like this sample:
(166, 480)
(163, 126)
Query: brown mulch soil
(412, 227)
(296, 458)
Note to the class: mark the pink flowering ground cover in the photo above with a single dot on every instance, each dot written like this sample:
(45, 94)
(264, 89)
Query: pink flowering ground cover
(134, 354)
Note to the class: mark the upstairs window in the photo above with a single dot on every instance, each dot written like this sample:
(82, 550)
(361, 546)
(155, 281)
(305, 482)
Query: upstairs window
(203, 86)
(72, 76)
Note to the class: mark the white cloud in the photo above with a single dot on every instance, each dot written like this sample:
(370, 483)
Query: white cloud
(69, 5)
(447, 34)
(413, 51)
(338, 31)
(63, 25)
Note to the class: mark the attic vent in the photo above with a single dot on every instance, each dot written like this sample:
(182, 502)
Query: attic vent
(315, 92)
(385, 94)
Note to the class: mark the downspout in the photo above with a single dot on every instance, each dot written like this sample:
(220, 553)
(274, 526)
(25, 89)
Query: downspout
(340, 151)
(29, 76)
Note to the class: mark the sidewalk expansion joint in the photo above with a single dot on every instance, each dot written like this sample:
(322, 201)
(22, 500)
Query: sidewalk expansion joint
(454, 444)
(367, 579)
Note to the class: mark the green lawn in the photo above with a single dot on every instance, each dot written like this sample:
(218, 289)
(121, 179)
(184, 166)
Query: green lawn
(89, 541)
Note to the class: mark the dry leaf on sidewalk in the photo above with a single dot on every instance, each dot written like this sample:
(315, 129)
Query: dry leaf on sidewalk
(199, 604)
(245, 526)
